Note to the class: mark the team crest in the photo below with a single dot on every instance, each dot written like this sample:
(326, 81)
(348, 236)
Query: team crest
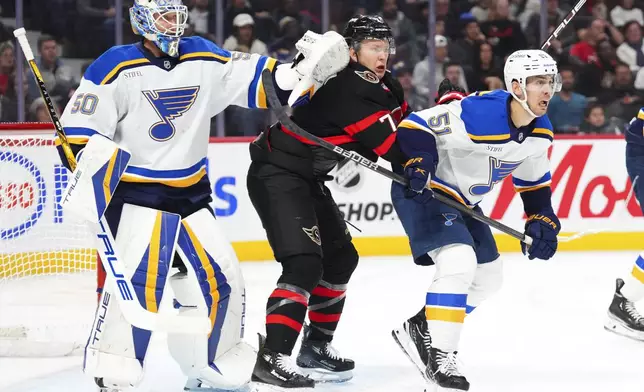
(449, 218)
(368, 76)
(169, 105)
(314, 234)
(167, 64)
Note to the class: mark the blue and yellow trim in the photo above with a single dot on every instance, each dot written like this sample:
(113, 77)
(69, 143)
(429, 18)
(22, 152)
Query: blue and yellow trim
(123, 66)
(445, 307)
(204, 56)
(414, 121)
(437, 183)
(76, 135)
(500, 138)
(256, 93)
(543, 133)
(640, 114)
(180, 178)
(638, 269)
(526, 186)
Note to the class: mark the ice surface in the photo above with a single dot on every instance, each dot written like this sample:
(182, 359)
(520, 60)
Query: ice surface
(542, 332)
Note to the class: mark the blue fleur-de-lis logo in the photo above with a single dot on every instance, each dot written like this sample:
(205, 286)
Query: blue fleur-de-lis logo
(169, 105)
(449, 218)
(498, 171)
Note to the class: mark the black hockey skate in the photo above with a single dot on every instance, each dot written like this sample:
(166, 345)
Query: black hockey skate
(105, 386)
(319, 360)
(442, 371)
(623, 317)
(275, 372)
(415, 341)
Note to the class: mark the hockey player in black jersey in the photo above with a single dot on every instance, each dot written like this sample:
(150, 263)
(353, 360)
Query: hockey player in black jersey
(358, 109)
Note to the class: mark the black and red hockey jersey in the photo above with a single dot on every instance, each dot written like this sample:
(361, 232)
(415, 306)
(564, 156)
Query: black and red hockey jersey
(354, 109)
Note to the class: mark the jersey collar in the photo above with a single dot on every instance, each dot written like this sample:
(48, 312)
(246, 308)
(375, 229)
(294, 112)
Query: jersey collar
(165, 62)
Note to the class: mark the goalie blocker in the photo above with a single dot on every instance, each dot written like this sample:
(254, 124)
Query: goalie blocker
(151, 240)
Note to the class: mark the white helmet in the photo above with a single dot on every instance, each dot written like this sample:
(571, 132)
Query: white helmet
(145, 15)
(525, 63)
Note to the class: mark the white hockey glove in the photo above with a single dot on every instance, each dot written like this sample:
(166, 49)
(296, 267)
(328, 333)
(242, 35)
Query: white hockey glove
(320, 58)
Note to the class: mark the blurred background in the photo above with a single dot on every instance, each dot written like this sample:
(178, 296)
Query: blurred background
(600, 53)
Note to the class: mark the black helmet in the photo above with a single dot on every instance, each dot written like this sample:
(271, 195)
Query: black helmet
(362, 27)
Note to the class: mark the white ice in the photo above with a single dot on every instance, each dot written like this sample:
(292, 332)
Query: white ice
(542, 332)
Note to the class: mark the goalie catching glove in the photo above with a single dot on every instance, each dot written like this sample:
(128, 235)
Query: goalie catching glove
(320, 57)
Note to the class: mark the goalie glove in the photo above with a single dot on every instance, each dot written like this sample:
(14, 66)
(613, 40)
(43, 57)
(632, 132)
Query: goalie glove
(320, 58)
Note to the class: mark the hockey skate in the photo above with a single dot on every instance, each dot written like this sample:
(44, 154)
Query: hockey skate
(442, 371)
(415, 341)
(275, 372)
(320, 361)
(623, 317)
(106, 386)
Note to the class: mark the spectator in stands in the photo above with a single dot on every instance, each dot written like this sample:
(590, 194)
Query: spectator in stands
(7, 66)
(622, 99)
(481, 10)
(202, 19)
(38, 111)
(631, 52)
(402, 29)
(597, 75)
(464, 50)
(235, 7)
(9, 101)
(595, 121)
(625, 12)
(454, 72)
(58, 77)
(243, 26)
(403, 72)
(292, 9)
(585, 51)
(566, 109)
(486, 67)
(421, 70)
(504, 34)
(284, 48)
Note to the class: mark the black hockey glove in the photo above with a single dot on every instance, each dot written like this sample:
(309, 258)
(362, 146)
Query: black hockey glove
(448, 92)
(418, 171)
(543, 229)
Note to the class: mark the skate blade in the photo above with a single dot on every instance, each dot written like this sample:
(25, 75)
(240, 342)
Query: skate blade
(203, 388)
(408, 347)
(321, 376)
(261, 387)
(436, 388)
(618, 327)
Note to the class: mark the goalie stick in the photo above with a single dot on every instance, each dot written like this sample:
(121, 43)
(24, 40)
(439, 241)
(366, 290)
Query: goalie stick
(276, 105)
(115, 270)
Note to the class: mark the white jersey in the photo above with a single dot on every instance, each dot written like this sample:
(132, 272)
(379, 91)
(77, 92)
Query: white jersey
(478, 147)
(159, 109)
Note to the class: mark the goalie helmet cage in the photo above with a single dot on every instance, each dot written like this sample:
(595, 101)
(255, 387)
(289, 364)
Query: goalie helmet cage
(47, 261)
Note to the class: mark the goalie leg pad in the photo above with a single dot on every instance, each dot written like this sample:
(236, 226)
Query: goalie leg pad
(213, 285)
(116, 350)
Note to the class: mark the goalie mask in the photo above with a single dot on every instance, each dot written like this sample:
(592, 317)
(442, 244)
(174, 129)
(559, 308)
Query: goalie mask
(160, 21)
(363, 27)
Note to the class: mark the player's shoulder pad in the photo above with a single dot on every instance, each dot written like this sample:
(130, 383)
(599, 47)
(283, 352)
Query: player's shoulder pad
(105, 69)
(542, 128)
(198, 48)
(485, 117)
(420, 120)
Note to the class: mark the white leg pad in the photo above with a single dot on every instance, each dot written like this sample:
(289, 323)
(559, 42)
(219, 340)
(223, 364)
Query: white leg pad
(213, 286)
(116, 350)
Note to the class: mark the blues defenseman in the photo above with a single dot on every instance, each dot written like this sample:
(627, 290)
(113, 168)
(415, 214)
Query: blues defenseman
(623, 317)
(155, 100)
(462, 148)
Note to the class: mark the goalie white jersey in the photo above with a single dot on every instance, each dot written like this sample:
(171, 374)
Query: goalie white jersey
(477, 146)
(159, 109)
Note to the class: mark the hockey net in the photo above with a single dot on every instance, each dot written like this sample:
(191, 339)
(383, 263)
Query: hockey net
(47, 260)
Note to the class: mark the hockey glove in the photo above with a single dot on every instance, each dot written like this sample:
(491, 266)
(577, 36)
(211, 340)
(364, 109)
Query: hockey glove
(418, 171)
(543, 229)
(448, 92)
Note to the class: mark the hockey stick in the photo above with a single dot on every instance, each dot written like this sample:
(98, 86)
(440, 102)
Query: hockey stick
(276, 105)
(115, 270)
(563, 24)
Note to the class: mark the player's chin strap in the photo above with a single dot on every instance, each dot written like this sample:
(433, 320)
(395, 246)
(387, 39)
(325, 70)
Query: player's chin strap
(524, 102)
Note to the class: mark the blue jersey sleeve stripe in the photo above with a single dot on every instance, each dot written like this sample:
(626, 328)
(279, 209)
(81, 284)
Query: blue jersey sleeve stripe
(180, 173)
(522, 183)
(413, 117)
(205, 56)
(447, 300)
(79, 131)
(252, 89)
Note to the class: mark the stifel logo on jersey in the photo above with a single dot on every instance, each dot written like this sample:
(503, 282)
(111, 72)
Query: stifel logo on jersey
(169, 105)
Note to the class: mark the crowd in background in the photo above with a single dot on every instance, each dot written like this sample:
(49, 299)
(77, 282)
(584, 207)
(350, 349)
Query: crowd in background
(600, 54)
